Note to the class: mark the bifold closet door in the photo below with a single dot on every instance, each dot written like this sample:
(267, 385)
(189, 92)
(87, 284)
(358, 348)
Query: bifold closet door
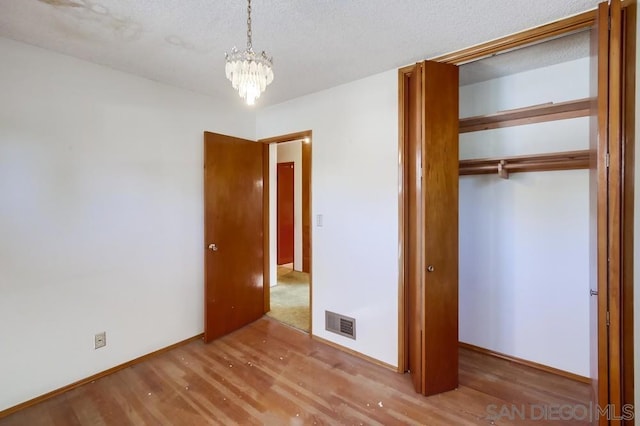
(613, 78)
(431, 218)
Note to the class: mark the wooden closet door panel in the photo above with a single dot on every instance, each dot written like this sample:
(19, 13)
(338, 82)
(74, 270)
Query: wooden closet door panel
(413, 222)
(598, 207)
(440, 233)
(429, 116)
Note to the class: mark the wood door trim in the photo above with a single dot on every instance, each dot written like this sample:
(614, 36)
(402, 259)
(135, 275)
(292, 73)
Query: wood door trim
(306, 210)
(265, 225)
(614, 200)
(544, 32)
(598, 166)
(627, 222)
(287, 138)
(94, 377)
(402, 241)
(520, 361)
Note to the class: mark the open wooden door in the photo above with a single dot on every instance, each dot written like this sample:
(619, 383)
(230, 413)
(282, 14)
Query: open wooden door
(285, 212)
(598, 209)
(411, 81)
(629, 49)
(610, 131)
(431, 223)
(233, 234)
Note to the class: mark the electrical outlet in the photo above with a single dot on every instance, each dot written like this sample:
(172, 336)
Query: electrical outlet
(100, 340)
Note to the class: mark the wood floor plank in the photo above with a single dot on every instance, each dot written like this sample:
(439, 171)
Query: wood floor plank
(268, 373)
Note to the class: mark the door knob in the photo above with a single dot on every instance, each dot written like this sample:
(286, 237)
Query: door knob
(213, 247)
(430, 268)
(593, 292)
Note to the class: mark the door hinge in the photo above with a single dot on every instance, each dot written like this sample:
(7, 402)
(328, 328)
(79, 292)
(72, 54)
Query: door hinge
(608, 322)
(606, 160)
(420, 171)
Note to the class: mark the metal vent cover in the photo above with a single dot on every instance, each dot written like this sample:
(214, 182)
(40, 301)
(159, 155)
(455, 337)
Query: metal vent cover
(340, 324)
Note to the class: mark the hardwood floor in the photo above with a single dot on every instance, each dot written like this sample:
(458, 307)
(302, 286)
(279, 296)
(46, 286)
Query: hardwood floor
(268, 373)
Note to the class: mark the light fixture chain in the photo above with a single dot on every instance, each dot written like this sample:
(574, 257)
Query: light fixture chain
(249, 46)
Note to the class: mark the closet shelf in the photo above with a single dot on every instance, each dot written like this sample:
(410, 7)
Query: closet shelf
(528, 115)
(568, 160)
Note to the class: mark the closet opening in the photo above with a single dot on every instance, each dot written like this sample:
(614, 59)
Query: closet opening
(524, 216)
(545, 143)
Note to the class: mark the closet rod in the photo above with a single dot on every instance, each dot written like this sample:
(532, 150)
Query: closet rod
(569, 160)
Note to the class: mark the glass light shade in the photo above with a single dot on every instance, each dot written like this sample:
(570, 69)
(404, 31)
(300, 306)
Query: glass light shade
(250, 74)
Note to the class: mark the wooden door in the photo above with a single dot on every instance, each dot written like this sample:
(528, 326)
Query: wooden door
(286, 212)
(629, 28)
(598, 208)
(607, 169)
(431, 217)
(233, 233)
(413, 222)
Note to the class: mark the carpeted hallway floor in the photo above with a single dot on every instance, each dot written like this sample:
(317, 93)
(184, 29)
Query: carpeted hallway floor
(290, 299)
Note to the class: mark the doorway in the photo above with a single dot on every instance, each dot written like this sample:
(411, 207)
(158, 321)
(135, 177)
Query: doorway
(287, 198)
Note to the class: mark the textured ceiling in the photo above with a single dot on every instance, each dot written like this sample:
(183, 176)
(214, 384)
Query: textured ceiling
(316, 44)
(566, 48)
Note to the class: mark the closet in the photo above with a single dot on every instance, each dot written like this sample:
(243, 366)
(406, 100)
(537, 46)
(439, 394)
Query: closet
(524, 205)
(550, 245)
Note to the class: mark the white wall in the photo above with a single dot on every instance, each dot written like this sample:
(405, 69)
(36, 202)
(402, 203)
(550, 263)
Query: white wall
(292, 152)
(355, 188)
(101, 216)
(524, 264)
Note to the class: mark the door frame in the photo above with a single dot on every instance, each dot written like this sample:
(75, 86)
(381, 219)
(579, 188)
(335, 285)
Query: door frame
(307, 137)
(623, 376)
(627, 225)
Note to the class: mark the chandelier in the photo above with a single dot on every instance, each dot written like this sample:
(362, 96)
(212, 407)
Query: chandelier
(249, 73)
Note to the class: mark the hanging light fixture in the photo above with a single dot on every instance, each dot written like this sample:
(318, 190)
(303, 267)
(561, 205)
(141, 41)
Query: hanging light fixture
(249, 73)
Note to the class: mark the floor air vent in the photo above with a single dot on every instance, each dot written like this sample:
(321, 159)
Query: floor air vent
(340, 324)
